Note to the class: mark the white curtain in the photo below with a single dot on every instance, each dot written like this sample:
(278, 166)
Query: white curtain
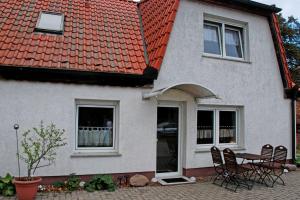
(205, 133)
(95, 137)
(228, 135)
(232, 37)
(233, 46)
(211, 40)
(211, 33)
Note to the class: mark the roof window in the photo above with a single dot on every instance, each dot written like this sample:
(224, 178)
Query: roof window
(49, 22)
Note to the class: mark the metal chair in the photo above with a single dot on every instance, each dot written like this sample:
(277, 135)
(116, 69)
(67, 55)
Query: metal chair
(274, 169)
(237, 174)
(265, 157)
(218, 165)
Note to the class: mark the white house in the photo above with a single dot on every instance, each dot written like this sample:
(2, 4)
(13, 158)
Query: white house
(143, 87)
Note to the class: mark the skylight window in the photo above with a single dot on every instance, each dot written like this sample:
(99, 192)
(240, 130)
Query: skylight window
(50, 22)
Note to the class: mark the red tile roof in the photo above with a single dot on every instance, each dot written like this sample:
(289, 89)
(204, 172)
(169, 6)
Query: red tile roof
(283, 59)
(158, 18)
(99, 36)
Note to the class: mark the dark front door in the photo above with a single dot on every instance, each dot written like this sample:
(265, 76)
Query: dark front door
(167, 139)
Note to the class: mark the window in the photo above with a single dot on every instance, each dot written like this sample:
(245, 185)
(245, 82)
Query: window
(217, 126)
(212, 35)
(233, 42)
(205, 127)
(96, 126)
(227, 127)
(224, 40)
(50, 22)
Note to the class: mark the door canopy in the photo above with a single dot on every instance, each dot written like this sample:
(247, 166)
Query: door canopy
(195, 90)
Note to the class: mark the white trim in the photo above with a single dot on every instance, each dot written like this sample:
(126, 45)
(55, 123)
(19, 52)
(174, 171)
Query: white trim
(161, 91)
(243, 36)
(98, 104)
(178, 105)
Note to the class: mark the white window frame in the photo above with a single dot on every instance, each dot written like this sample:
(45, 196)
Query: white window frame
(219, 35)
(45, 30)
(241, 27)
(216, 126)
(98, 104)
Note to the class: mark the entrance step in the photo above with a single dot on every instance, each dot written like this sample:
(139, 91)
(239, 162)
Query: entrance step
(178, 180)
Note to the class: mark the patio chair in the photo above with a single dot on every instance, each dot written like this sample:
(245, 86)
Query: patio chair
(274, 169)
(237, 174)
(265, 157)
(218, 165)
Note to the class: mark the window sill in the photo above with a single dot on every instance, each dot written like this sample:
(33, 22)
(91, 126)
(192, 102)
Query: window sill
(207, 149)
(95, 154)
(225, 58)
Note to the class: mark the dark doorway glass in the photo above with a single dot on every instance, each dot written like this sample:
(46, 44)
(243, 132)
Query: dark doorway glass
(167, 139)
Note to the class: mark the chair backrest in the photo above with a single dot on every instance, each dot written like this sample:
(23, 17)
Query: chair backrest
(280, 154)
(216, 156)
(230, 160)
(266, 153)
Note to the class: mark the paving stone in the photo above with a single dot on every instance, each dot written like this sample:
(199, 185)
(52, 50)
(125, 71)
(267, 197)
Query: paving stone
(203, 190)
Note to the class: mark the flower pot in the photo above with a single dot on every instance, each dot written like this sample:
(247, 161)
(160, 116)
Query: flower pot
(26, 190)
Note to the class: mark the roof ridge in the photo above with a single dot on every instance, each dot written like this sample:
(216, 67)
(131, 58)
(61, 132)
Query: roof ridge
(143, 35)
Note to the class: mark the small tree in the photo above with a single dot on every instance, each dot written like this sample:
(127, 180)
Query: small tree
(39, 147)
(290, 31)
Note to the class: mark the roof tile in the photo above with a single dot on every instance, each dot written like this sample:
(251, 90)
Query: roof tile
(158, 17)
(103, 29)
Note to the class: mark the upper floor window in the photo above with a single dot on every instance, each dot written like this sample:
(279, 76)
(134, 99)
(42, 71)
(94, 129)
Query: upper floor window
(233, 42)
(50, 22)
(224, 40)
(212, 38)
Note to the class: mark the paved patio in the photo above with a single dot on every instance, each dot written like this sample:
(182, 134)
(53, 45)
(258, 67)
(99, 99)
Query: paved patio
(202, 190)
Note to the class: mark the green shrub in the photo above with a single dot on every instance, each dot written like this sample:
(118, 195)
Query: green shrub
(58, 184)
(7, 188)
(100, 182)
(72, 183)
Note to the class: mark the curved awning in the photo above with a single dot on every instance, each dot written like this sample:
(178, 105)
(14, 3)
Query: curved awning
(193, 89)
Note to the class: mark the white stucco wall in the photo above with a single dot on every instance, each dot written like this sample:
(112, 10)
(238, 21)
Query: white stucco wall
(254, 85)
(26, 103)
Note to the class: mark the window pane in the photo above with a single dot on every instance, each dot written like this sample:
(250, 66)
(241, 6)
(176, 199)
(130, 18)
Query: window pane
(232, 42)
(95, 127)
(227, 127)
(205, 127)
(50, 21)
(212, 39)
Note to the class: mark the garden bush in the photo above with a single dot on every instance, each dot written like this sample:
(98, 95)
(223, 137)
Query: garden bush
(7, 188)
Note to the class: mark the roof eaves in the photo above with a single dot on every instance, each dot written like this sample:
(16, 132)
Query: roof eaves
(287, 81)
(73, 76)
(247, 6)
(254, 4)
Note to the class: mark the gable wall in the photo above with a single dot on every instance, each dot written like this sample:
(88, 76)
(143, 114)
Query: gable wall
(254, 85)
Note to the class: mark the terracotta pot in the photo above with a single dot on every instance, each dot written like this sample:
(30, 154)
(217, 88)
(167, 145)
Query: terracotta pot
(26, 190)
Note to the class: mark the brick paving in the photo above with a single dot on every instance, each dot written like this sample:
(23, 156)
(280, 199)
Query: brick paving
(203, 190)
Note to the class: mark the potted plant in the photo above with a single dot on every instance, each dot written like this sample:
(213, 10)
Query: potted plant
(39, 147)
